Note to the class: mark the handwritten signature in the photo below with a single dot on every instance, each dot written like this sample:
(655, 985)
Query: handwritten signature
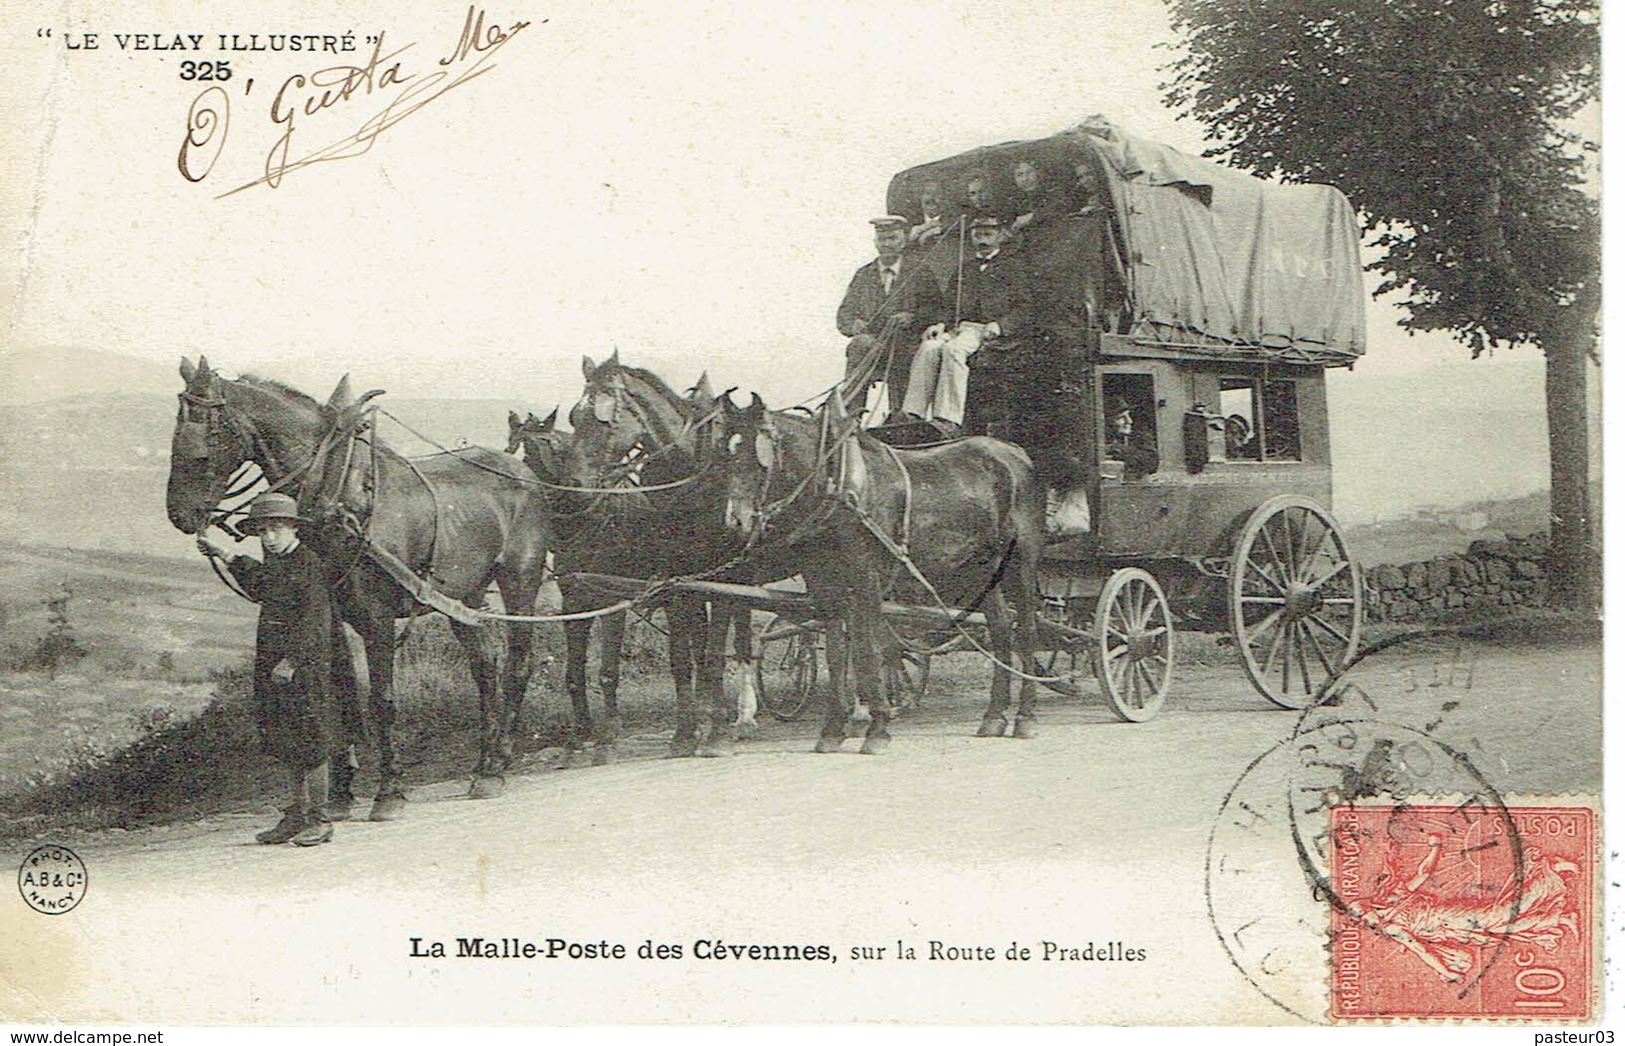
(305, 95)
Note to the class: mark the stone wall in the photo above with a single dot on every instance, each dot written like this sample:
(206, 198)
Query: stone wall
(1490, 576)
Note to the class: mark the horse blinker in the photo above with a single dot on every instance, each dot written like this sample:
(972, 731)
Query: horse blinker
(191, 440)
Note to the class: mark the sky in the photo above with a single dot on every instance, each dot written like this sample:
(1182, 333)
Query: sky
(687, 183)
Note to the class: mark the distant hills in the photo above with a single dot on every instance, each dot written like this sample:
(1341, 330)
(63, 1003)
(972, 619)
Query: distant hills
(39, 375)
(84, 443)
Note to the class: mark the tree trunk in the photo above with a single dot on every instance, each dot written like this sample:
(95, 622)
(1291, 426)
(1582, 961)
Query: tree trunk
(1573, 566)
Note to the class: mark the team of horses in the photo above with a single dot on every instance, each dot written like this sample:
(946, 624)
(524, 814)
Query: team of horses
(650, 484)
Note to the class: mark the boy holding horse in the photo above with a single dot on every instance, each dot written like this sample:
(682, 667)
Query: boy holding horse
(300, 721)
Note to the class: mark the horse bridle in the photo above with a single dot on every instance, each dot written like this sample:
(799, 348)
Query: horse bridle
(217, 428)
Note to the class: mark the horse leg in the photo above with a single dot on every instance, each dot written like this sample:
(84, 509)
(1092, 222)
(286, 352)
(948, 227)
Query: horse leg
(488, 781)
(1025, 597)
(869, 664)
(518, 597)
(838, 702)
(378, 634)
(713, 668)
(681, 615)
(576, 636)
(998, 631)
(745, 658)
(611, 645)
(346, 684)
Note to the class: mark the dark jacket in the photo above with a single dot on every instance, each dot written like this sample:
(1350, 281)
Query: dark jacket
(915, 290)
(300, 721)
(1003, 292)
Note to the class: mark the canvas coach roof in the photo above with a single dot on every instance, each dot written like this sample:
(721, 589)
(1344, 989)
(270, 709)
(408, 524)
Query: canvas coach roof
(1214, 262)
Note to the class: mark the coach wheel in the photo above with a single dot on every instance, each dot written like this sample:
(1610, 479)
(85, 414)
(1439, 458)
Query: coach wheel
(787, 670)
(1294, 600)
(1134, 644)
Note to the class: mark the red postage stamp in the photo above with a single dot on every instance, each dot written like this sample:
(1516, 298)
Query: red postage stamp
(1463, 912)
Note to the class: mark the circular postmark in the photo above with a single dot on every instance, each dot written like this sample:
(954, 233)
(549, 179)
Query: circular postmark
(1343, 834)
(52, 880)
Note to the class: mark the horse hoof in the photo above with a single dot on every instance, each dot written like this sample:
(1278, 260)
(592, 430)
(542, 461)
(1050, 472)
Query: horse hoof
(826, 745)
(341, 808)
(1024, 728)
(875, 745)
(603, 755)
(992, 726)
(487, 787)
(715, 750)
(387, 806)
(682, 749)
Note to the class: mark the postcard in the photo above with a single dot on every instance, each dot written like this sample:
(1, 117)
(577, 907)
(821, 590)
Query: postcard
(694, 514)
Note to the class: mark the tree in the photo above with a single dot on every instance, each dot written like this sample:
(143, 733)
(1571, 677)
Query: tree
(1449, 125)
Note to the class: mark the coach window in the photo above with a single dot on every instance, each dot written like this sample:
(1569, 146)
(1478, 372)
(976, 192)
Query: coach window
(1281, 438)
(1137, 395)
(1260, 419)
(1238, 402)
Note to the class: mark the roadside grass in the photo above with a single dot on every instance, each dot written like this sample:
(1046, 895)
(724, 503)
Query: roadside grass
(152, 766)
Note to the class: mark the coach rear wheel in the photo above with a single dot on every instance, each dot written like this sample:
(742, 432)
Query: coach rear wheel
(1134, 644)
(787, 670)
(1294, 600)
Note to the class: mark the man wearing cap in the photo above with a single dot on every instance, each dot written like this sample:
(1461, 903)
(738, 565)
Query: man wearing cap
(1134, 445)
(994, 292)
(888, 303)
(300, 721)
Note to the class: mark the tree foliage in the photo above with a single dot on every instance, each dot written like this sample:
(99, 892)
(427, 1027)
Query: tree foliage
(1447, 123)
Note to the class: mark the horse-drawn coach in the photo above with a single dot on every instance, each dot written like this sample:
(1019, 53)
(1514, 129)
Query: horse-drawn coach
(1166, 384)
(1200, 308)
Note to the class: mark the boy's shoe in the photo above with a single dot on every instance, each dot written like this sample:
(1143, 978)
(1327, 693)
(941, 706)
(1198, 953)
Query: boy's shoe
(314, 834)
(293, 822)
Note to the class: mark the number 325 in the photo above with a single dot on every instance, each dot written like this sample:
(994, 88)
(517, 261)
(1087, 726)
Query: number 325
(220, 70)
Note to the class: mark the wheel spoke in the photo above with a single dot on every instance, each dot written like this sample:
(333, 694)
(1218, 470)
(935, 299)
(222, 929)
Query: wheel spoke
(1143, 604)
(1275, 554)
(1150, 683)
(1337, 601)
(1275, 647)
(1269, 620)
(1274, 601)
(1303, 658)
(1286, 658)
(1320, 581)
(1265, 574)
(1300, 546)
(1115, 652)
(1314, 641)
(1119, 673)
(1316, 618)
(1320, 542)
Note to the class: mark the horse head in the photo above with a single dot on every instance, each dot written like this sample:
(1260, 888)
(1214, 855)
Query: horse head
(626, 419)
(206, 450)
(752, 443)
(541, 444)
(339, 486)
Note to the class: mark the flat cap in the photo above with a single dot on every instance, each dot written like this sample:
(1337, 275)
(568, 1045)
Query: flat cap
(890, 221)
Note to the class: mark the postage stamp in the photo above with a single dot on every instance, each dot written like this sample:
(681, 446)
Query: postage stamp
(1463, 911)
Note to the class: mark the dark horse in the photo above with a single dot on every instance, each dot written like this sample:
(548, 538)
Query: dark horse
(460, 520)
(634, 435)
(543, 447)
(969, 514)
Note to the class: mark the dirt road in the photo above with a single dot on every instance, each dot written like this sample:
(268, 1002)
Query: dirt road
(1094, 833)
